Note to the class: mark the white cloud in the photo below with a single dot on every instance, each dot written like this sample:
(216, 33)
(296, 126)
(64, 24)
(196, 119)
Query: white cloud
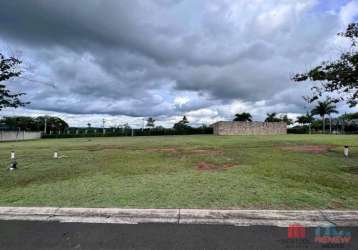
(349, 12)
(181, 100)
(167, 58)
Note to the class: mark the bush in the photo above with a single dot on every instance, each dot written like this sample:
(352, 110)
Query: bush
(298, 130)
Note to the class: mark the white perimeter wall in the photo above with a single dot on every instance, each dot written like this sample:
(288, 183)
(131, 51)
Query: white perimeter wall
(19, 135)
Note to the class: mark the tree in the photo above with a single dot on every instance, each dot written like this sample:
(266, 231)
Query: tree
(185, 120)
(34, 124)
(339, 76)
(243, 117)
(126, 126)
(349, 116)
(52, 123)
(349, 122)
(301, 120)
(150, 122)
(182, 124)
(271, 117)
(8, 71)
(306, 119)
(285, 119)
(20, 123)
(324, 108)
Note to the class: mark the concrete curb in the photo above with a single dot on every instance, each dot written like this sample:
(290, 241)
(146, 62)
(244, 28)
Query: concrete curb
(280, 218)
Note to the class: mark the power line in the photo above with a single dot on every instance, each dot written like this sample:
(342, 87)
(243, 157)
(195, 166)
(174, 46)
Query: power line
(38, 81)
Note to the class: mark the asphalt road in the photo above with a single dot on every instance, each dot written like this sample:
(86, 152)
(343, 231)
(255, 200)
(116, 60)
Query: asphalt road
(52, 235)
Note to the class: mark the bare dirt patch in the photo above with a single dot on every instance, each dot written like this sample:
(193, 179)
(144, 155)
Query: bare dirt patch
(165, 150)
(104, 147)
(204, 166)
(314, 149)
(336, 204)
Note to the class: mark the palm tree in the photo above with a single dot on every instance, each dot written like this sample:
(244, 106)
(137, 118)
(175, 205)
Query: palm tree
(150, 122)
(324, 108)
(243, 117)
(272, 117)
(301, 120)
(285, 119)
(185, 120)
(306, 119)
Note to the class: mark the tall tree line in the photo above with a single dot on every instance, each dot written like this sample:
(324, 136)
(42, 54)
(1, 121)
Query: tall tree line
(34, 124)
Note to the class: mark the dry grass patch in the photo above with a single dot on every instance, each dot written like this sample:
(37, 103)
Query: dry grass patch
(203, 151)
(314, 149)
(93, 148)
(204, 166)
(160, 150)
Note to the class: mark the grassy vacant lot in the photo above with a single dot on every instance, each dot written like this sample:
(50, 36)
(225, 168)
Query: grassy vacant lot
(278, 172)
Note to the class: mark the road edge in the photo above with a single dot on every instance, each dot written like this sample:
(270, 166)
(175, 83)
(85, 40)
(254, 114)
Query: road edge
(279, 218)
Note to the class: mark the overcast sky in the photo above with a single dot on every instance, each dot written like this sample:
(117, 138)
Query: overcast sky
(123, 60)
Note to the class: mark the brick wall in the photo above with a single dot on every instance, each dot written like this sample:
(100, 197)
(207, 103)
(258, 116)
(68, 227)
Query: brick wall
(250, 128)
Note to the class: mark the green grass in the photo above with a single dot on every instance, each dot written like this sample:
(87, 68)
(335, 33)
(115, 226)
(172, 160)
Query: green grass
(161, 172)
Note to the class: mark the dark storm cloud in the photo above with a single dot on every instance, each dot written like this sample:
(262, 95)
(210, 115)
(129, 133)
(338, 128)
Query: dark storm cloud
(134, 57)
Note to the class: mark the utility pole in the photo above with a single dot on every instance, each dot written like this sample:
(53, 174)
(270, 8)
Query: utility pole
(310, 122)
(45, 128)
(103, 122)
(343, 122)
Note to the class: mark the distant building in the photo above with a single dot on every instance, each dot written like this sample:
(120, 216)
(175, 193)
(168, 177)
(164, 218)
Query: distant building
(249, 128)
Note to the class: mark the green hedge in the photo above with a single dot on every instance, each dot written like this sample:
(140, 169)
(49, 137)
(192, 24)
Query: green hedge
(298, 130)
(128, 132)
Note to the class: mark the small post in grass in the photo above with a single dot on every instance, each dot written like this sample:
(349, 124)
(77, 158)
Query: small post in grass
(12, 155)
(13, 164)
(346, 151)
(55, 155)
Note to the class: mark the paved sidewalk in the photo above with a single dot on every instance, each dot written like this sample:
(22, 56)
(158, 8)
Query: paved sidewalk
(280, 218)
